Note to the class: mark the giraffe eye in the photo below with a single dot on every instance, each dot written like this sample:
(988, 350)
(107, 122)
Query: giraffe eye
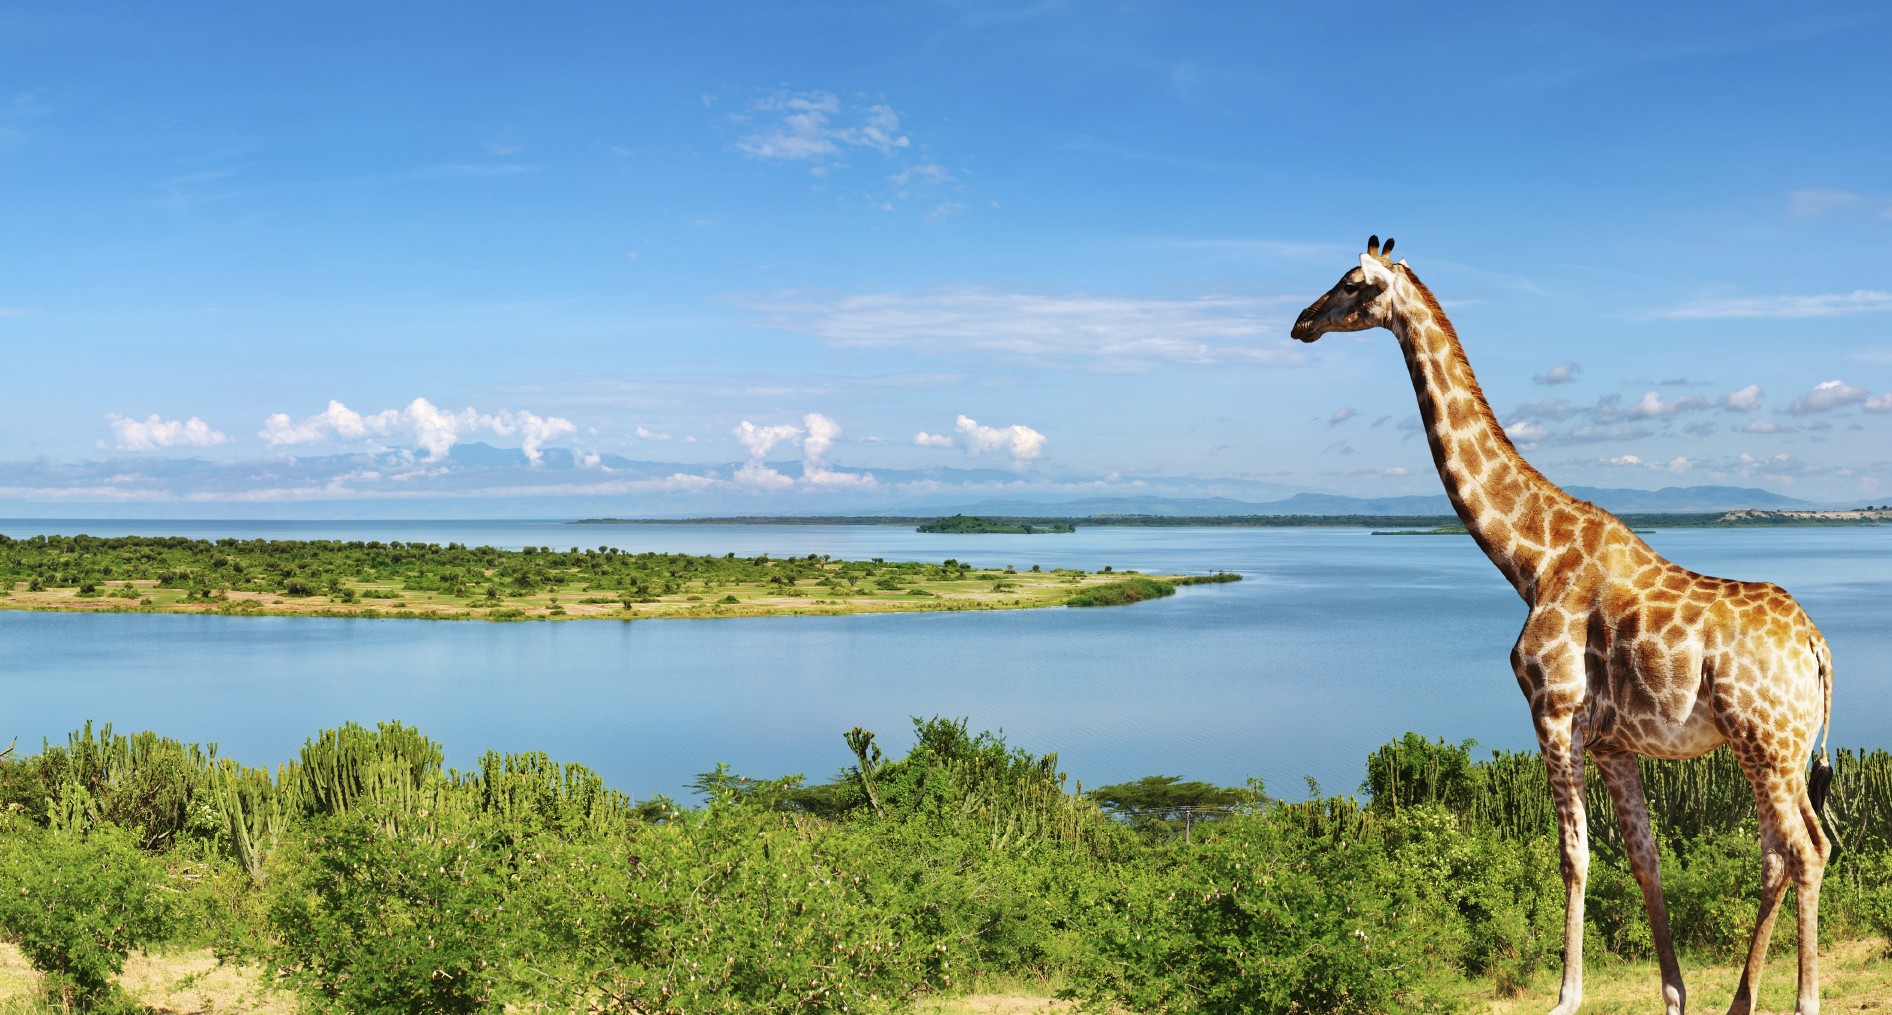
(1349, 287)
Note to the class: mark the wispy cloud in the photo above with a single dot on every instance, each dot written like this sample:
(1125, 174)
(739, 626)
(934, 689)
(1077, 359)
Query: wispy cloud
(153, 433)
(812, 127)
(1101, 332)
(1859, 301)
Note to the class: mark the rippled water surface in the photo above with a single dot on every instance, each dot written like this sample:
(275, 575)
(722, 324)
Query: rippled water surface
(1337, 641)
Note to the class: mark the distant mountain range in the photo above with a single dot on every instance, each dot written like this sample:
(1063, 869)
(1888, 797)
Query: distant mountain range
(1668, 500)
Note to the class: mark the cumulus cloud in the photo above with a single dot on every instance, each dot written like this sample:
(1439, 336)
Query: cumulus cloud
(760, 440)
(1019, 441)
(154, 432)
(1859, 301)
(1562, 373)
(812, 127)
(816, 435)
(1745, 399)
(421, 423)
(644, 433)
(1100, 332)
(1878, 403)
(821, 435)
(1827, 396)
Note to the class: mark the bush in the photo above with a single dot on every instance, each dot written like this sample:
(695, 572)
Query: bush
(78, 904)
(1122, 593)
(1264, 915)
(376, 921)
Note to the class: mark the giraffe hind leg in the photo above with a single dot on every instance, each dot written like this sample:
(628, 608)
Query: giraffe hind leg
(1792, 852)
(1632, 816)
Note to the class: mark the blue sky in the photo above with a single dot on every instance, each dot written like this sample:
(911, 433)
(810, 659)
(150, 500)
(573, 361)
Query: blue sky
(805, 257)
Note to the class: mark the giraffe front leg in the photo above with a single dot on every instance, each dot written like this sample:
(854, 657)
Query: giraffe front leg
(1562, 744)
(1632, 816)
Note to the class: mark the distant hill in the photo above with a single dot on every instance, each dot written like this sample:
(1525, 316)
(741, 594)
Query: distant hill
(1668, 500)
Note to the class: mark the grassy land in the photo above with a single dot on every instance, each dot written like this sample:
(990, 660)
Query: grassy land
(373, 579)
(1855, 976)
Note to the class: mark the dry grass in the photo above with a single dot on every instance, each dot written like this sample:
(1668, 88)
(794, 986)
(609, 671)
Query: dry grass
(1855, 976)
(181, 982)
(976, 590)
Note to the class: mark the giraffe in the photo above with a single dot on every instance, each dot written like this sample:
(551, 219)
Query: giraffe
(1622, 653)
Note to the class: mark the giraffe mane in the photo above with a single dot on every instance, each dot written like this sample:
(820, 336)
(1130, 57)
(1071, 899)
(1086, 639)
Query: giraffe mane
(1458, 355)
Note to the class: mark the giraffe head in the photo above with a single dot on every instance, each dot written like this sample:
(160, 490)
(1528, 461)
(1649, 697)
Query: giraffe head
(1362, 299)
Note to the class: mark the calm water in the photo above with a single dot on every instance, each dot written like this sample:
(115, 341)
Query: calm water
(1337, 642)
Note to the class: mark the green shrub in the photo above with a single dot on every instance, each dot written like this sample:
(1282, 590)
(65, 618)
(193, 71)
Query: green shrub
(1122, 593)
(1264, 916)
(77, 904)
(372, 920)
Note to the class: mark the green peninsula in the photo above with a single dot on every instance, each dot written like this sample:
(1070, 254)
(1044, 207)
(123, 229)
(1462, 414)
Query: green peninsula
(457, 582)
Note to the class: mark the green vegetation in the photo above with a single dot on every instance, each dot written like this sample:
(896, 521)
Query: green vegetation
(365, 876)
(962, 524)
(1138, 588)
(396, 579)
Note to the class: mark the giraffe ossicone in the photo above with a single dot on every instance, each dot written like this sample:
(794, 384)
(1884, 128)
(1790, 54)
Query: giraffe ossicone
(1623, 653)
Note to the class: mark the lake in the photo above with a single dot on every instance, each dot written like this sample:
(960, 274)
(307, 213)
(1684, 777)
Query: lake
(1336, 642)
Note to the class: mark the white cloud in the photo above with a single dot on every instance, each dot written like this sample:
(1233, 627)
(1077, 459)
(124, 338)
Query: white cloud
(420, 423)
(1626, 460)
(820, 438)
(1745, 399)
(1827, 396)
(1396, 471)
(152, 433)
(1341, 415)
(1879, 403)
(1526, 431)
(810, 127)
(760, 440)
(1019, 441)
(1859, 301)
(645, 433)
(1562, 373)
(932, 440)
(1652, 406)
(1103, 332)
(1759, 425)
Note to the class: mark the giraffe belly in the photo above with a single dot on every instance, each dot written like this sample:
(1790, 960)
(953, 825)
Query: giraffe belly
(1652, 698)
(1652, 733)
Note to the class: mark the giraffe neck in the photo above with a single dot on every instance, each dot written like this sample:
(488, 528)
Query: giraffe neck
(1498, 495)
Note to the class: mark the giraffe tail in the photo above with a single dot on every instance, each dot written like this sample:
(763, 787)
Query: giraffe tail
(1822, 778)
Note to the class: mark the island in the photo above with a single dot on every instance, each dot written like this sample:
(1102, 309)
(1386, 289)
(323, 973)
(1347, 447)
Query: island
(963, 524)
(336, 578)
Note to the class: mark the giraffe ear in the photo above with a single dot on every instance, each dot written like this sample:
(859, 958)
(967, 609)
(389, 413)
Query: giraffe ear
(1386, 252)
(1373, 245)
(1376, 272)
